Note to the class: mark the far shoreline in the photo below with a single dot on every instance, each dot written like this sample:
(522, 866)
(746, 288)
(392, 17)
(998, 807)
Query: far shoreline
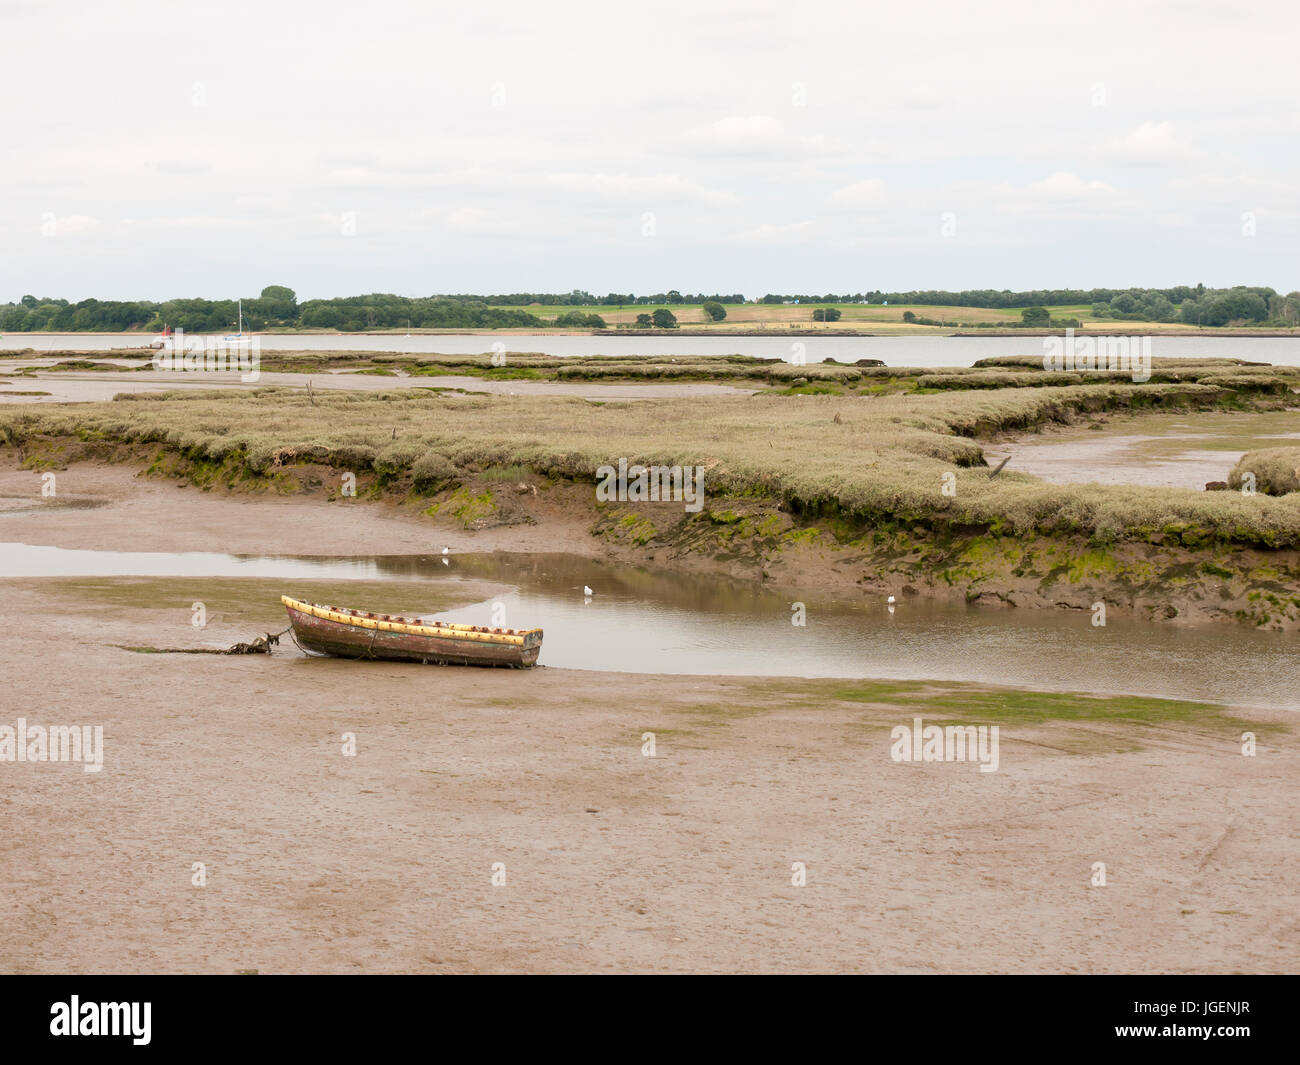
(1264, 334)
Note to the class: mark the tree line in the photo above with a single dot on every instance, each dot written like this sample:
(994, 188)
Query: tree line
(581, 298)
(1242, 304)
(278, 307)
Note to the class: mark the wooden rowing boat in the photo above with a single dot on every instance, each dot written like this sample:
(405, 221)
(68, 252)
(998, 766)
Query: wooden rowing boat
(332, 630)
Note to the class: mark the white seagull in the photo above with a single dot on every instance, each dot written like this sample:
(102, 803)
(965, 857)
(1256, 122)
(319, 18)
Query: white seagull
(587, 591)
(890, 600)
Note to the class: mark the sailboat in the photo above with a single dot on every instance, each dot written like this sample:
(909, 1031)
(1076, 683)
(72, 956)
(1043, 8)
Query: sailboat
(238, 338)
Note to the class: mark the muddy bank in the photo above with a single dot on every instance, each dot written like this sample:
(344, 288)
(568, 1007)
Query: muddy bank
(614, 861)
(1176, 577)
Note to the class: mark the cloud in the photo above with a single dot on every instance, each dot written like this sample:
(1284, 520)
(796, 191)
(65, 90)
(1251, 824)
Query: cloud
(768, 235)
(189, 222)
(921, 98)
(861, 195)
(756, 136)
(1151, 144)
(365, 177)
(746, 131)
(646, 191)
(69, 225)
(476, 220)
(1231, 188)
(473, 221)
(183, 167)
(580, 190)
(1068, 188)
(1061, 195)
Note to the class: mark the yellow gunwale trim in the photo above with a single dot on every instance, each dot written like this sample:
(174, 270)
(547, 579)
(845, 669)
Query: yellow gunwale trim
(448, 632)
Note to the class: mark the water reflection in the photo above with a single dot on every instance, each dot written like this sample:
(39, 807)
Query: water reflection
(927, 351)
(659, 621)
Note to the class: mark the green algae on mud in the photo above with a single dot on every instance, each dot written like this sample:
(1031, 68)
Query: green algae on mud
(254, 601)
(1128, 722)
(1069, 722)
(1006, 706)
(1176, 571)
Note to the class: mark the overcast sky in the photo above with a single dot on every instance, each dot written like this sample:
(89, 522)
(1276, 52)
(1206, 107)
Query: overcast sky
(157, 149)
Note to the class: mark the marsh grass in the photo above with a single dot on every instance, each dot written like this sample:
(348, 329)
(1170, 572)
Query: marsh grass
(513, 474)
(865, 461)
(1276, 470)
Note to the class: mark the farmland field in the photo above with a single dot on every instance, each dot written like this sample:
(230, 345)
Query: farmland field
(879, 318)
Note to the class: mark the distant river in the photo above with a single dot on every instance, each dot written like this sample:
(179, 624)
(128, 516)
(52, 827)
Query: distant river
(894, 351)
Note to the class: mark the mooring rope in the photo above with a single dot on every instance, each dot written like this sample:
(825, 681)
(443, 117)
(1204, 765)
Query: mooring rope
(294, 637)
(259, 646)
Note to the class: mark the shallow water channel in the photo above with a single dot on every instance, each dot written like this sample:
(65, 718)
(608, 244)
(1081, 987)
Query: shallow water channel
(929, 351)
(655, 621)
(1176, 450)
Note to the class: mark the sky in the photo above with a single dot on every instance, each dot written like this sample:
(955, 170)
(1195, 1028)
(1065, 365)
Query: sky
(162, 149)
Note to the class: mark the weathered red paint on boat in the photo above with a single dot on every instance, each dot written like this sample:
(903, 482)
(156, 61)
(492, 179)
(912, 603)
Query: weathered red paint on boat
(342, 640)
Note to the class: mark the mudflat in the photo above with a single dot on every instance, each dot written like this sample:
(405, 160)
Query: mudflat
(604, 857)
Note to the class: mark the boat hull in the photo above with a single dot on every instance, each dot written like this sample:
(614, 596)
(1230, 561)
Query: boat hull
(347, 634)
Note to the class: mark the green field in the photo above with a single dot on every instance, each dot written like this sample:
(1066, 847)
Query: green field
(875, 316)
